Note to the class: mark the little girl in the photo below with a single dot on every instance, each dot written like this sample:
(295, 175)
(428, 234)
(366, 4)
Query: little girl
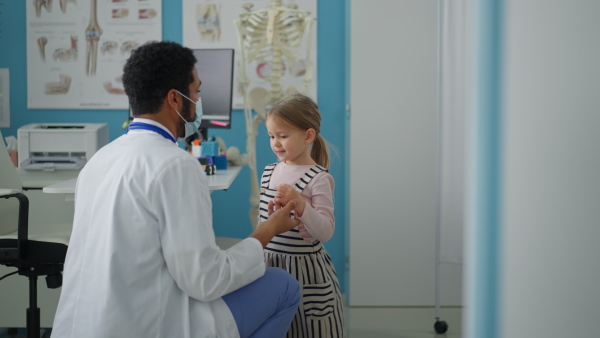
(293, 125)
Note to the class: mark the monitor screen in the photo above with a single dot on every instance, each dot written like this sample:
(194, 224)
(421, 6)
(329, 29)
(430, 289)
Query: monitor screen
(215, 69)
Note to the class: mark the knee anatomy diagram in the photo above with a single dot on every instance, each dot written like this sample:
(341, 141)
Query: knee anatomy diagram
(273, 36)
(208, 19)
(92, 36)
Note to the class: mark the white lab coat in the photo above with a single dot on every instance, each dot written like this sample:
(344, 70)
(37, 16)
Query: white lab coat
(142, 260)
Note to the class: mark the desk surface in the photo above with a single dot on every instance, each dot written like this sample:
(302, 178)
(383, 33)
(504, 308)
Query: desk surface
(221, 180)
(37, 179)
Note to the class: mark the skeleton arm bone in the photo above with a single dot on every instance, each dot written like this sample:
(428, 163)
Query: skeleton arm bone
(243, 78)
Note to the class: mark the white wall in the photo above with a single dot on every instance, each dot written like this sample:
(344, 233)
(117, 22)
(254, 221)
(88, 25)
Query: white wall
(393, 156)
(550, 270)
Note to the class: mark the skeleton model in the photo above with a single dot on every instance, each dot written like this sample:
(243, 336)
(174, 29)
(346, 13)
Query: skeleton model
(92, 36)
(273, 36)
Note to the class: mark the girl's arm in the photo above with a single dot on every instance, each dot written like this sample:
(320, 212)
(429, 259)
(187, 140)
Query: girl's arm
(317, 219)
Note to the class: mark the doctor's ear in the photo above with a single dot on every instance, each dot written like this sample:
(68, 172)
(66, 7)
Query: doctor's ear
(173, 98)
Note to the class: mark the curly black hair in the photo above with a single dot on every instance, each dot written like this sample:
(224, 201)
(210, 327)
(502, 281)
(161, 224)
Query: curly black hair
(152, 70)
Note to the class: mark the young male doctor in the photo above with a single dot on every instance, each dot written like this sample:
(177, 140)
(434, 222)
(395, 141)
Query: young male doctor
(142, 260)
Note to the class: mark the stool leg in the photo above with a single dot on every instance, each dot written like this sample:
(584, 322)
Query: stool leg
(33, 312)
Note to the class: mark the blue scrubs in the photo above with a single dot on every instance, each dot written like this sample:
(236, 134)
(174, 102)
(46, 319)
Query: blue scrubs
(265, 307)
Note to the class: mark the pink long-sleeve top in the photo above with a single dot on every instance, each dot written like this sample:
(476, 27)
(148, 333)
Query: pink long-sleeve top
(317, 220)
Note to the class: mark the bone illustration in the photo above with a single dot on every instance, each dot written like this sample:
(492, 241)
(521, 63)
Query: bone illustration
(120, 13)
(42, 41)
(113, 90)
(109, 47)
(64, 54)
(147, 13)
(128, 46)
(274, 37)
(208, 20)
(92, 36)
(58, 88)
(63, 4)
(38, 4)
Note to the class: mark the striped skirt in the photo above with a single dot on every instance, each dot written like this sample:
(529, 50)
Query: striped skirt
(321, 309)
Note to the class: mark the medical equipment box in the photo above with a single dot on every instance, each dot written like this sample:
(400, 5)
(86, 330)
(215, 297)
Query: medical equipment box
(50, 146)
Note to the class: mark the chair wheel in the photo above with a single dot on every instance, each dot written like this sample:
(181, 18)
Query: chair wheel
(440, 326)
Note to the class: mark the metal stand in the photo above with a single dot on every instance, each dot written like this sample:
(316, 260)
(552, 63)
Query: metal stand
(439, 326)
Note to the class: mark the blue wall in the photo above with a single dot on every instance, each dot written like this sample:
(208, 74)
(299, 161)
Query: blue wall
(231, 207)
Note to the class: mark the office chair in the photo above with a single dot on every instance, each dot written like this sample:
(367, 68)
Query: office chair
(32, 259)
(34, 252)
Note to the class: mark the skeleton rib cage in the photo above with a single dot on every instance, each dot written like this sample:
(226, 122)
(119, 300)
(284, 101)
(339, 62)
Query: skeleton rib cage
(273, 35)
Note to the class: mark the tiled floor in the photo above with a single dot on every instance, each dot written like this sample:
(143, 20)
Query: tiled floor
(390, 322)
(401, 322)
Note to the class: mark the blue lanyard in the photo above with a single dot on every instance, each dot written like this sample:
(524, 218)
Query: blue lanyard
(146, 126)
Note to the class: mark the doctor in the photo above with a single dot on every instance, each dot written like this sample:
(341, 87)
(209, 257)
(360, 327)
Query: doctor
(142, 260)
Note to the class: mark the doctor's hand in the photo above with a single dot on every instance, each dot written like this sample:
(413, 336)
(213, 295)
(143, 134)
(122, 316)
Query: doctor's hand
(287, 193)
(279, 221)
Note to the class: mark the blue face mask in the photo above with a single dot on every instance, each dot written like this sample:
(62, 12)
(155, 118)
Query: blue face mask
(192, 126)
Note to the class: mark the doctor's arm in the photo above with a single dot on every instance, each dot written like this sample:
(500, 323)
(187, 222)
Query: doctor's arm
(198, 266)
(279, 222)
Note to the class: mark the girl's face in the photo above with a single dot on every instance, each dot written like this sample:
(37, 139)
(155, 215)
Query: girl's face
(289, 143)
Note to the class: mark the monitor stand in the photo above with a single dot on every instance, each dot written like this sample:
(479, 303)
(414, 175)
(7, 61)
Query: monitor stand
(204, 133)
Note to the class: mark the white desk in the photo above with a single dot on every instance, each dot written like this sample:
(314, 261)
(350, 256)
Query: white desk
(38, 179)
(221, 180)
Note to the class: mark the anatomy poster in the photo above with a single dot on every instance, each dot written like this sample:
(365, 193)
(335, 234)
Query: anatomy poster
(210, 24)
(76, 50)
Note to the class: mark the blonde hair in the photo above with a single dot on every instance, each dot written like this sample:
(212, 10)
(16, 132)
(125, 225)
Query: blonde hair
(300, 111)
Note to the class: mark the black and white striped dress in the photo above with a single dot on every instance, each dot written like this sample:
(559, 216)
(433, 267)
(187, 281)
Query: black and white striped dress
(321, 309)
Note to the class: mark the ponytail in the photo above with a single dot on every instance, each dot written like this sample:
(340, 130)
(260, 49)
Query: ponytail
(319, 151)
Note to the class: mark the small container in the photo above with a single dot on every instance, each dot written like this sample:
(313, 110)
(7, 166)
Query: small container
(14, 157)
(12, 150)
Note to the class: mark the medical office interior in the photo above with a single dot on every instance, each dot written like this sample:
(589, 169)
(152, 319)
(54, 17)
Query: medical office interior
(466, 160)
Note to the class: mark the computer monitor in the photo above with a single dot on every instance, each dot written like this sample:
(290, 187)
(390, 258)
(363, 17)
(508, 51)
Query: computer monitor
(215, 69)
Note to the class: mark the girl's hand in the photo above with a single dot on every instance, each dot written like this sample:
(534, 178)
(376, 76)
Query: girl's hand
(285, 194)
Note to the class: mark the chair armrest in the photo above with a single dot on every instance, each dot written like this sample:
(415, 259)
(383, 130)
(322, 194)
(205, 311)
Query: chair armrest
(7, 192)
(22, 231)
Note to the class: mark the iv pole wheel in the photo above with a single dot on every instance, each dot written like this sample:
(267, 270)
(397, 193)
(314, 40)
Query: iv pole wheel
(440, 326)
